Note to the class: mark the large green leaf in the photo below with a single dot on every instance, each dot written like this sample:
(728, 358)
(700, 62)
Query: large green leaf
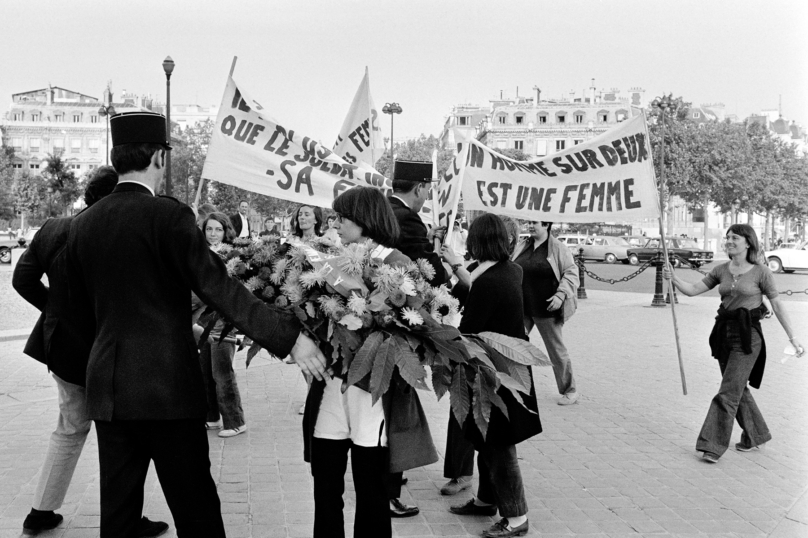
(459, 394)
(409, 366)
(452, 350)
(254, 349)
(477, 352)
(481, 406)
(382, 370)
(441, 380)
(362, 363)
(517, 350)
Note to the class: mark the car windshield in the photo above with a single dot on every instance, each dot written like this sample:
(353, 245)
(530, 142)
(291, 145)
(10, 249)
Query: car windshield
(688, 243)
(618, 241)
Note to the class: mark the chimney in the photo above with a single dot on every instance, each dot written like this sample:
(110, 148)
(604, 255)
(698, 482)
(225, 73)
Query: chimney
(593, 91)
(49, 94)
(538, 94)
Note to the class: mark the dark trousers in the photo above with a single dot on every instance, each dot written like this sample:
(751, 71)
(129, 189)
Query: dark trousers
(221, 388)
(179, 449)
(734, 401)
(329, 461)
(501, 480)
(459, 457)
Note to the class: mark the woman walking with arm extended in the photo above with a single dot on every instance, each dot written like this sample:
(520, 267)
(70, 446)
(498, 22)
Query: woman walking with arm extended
(737, 342)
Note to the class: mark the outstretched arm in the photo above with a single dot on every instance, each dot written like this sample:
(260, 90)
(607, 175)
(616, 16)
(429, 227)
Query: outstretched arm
(687, 288)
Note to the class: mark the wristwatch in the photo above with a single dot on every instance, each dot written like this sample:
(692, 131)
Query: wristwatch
(456, 266)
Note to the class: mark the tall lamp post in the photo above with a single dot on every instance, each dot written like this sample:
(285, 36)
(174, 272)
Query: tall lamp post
(391, 108)
(168, 67)
(107, 110)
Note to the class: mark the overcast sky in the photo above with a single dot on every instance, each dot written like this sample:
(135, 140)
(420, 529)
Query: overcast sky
(303, 60)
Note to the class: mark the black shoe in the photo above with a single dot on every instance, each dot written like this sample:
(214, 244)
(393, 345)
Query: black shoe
(399, 509)
(471, 509)
(741, 447)
(39, 520)
(148, 528)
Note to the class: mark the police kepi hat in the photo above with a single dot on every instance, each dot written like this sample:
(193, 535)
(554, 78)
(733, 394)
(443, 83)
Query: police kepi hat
(139, 127)
(414, 171)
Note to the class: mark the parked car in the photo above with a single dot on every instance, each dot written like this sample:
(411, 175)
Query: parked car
(606, 248)
(686, 249)
(636, 240)
(788, 260)
(573, 241)
(7, 244)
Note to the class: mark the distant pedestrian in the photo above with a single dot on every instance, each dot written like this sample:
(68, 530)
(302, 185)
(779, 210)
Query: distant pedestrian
(241, 220)
(737, 342)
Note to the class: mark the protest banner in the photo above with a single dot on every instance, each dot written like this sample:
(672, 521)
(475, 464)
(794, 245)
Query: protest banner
(448, 190)
(250, 150)
(360, 139)
(607, 178)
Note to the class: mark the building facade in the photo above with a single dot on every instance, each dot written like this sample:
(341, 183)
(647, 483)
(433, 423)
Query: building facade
(61, 122)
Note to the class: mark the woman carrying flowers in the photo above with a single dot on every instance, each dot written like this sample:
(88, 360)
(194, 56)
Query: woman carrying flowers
(390, 435)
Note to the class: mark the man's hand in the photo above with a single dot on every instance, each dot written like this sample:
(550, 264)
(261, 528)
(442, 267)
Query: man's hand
(448, 254)
(438, 232)
(309, 357)
(554, 303)
(198, 330)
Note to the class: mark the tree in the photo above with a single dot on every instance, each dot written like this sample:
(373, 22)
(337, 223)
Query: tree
(28, 195)
(61, 185)
(6, 180)
(417, 149)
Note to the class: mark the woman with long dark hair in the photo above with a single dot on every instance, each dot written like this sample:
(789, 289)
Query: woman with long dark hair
(737, 342)
(389, 436)
(221, 389)
(307, 222)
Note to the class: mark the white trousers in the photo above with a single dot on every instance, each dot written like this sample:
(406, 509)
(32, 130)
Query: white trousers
(65, 447)
(350, 415)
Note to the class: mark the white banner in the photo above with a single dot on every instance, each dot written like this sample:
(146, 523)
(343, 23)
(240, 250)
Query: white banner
(250, 150)
(607, 178)
(360, 139)
(448, 191)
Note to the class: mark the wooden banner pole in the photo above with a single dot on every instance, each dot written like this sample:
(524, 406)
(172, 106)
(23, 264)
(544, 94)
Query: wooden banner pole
(201, 179)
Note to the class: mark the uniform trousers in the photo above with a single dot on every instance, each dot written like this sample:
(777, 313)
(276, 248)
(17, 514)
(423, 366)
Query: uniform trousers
(179, 449)
(459, 457)
(65, 447)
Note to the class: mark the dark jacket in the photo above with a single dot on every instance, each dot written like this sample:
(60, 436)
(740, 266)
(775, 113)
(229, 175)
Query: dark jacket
(55, 339)
(408, 435)
(413, 241)
(235, 220)
(494, 304)
(133, 260)
(746, 321)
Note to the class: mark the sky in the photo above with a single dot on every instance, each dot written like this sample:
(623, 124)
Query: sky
(303, 60)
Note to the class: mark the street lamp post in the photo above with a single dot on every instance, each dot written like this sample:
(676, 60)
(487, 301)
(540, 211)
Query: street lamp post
(168, 67)
(107, 110)
(391, 108)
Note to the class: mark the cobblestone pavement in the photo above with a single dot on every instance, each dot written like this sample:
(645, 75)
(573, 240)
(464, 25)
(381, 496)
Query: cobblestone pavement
(621, 463)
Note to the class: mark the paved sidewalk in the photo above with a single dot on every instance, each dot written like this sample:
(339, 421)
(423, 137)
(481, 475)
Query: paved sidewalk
(620, 463)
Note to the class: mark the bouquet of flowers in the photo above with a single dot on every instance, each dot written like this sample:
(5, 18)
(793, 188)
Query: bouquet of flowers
(371, 319)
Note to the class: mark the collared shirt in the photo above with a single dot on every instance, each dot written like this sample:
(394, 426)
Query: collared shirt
(402, 201)
(245, 228)
(139, 183)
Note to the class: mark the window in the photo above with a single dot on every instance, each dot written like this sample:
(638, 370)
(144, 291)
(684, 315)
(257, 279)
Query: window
(501, 144)
(603, 117)
(459, 147)
(542, 118)
(93, 119)
(561, 144)
(94, 145)
(75, 145)
(75, 167)
(58, 118)
(17, 166)
(621, 115)
(35, 116)
(579, 118)
(696, 115)
(519, 144)
(462, 120)
(16, 143)
(92, 166)
(577, 141)
(520, 119)
(561, 118)
(33, 144)
(76, 118)
(541, 148)
(58, 146)
(501, 119)
(17, 116)
(34, 166)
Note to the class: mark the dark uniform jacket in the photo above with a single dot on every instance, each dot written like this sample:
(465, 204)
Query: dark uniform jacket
(413, 241)
(55, 339)
(494, 304)
(133, 260)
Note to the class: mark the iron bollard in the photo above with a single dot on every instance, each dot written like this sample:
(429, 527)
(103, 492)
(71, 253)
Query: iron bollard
(671, 258)
(582, 285)
(659, 297)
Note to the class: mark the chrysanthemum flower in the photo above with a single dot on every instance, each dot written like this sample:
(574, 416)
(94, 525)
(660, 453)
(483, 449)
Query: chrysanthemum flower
(407, 286)
(426, 268)
(357, 304)
(231, 266)
(411, 316)
(292, 290)
(278, 271)
(255, 283)
(331, 306)
(310, 279)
